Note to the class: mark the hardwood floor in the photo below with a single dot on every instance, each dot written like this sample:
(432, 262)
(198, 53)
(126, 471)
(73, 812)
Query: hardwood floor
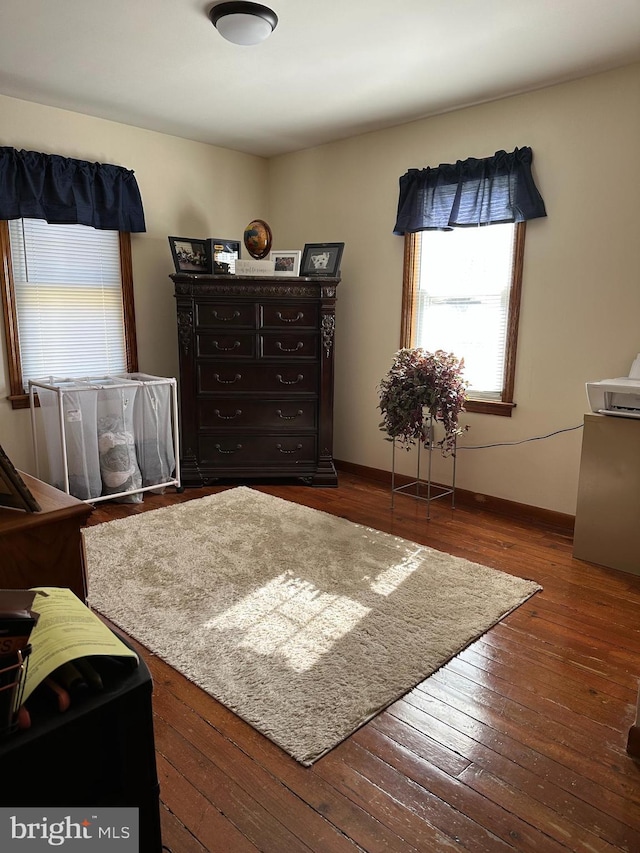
(518, 743)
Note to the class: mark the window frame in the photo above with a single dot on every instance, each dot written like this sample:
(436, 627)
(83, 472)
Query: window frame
(18, 397)
(410, 283)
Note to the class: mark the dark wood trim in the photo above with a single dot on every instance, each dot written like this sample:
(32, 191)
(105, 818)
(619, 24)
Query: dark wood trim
(126, 274)
(410, 279)
(19, 399)
(522, 512)
(513, 319)
(490, 407)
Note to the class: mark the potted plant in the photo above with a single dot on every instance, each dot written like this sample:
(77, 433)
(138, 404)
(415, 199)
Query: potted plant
(422, 387)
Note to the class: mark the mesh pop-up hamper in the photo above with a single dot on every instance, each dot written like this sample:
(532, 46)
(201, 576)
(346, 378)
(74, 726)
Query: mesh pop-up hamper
(110, 436)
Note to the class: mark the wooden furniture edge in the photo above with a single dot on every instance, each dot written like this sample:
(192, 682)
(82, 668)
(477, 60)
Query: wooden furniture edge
(633, 742)
(55, 505)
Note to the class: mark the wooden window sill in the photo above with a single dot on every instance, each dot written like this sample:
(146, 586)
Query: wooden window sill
(490, 407)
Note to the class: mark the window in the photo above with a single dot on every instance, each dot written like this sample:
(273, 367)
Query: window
(68, 302)
(462, 288)
(462, 294)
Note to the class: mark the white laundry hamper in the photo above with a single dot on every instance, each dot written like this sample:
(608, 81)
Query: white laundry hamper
(108, 437)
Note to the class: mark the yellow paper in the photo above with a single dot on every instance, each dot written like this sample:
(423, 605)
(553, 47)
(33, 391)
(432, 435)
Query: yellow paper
(66, 630)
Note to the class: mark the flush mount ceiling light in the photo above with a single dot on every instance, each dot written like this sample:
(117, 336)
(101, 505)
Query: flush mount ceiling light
(243, 23)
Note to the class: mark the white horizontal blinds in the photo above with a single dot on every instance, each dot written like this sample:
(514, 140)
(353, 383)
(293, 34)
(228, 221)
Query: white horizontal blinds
(463, 300)
(68, 291)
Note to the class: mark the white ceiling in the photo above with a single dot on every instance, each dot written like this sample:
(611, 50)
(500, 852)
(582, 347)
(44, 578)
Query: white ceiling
(331, 69)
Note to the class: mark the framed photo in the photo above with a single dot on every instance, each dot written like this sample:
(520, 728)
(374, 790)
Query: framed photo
(224, 254)
(321, 259)
(286, 262)
(190, 255)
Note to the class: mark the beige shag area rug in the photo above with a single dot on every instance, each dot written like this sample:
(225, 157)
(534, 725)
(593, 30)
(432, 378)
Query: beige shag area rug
(304, 624)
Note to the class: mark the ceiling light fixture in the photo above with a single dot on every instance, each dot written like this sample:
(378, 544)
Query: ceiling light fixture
(243, 23)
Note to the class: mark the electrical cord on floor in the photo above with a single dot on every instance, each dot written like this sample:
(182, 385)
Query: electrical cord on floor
(513, 443)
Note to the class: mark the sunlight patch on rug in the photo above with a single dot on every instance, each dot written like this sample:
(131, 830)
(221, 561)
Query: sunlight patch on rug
(390, 579)
(291, 619)
(304, 624)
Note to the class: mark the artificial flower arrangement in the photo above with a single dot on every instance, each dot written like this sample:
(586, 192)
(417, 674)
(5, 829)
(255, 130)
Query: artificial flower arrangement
(422, 387)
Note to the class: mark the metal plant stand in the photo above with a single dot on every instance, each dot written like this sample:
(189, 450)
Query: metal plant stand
(424, 490)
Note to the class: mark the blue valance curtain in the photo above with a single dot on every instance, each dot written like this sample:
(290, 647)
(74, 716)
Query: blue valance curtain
(470, 192)
(62, 190)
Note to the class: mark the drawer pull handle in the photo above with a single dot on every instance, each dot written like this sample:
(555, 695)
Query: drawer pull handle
(298, 346)
(237, 413)
(234, 316)
(295, 449)
(295, 381)
(295, 319)
(288, 417)
(216, 376)
(235, 345)
(233, 449)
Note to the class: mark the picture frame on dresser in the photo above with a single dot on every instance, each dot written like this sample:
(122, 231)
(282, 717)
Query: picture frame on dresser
(224, 254)
(190, 255)
(286, 261)
(322, 259)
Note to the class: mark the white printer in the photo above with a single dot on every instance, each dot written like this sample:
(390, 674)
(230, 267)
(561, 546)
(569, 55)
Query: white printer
(620, 397)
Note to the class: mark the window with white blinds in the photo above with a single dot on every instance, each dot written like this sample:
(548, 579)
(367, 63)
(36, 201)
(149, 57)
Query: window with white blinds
(68, 298)
(463, 297)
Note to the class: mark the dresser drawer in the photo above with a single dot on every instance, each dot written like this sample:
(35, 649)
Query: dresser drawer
(226, 315)
(225, 413)
(289, 451)
(289, 316)
(223, 378)
(285, 345)
(223, 345)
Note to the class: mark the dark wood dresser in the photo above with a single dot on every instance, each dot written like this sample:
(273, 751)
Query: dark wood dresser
(44, 548)
(256, 377)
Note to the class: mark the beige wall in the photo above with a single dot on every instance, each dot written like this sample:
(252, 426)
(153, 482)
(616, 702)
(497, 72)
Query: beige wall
(188, 190)
(580, 315)
(581, 299)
